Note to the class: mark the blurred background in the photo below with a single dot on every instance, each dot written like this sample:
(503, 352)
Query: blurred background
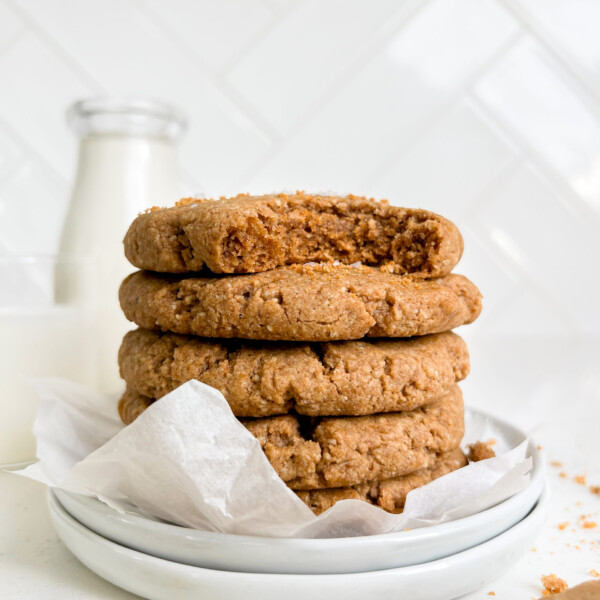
(487, 111)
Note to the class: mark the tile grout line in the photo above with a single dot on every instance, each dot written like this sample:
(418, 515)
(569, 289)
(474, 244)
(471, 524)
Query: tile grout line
(581, 206)
(365, 58)
(63, 56)
(438, 114)
(589, 96)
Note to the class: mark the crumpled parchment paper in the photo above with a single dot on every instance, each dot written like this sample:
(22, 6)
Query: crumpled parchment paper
(189, 461)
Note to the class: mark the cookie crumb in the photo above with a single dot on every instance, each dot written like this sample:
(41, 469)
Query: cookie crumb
(491, 593)
(149, 210)
(563, 475)
(594, 573)
(539, 447)
(553, 584)
(595, 489)
(589, 524)
(480, 451)
(580, 479)
(190, 202)
(563, 526)
(556, 463)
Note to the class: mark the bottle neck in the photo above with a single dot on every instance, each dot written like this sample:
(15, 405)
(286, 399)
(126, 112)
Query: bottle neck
(133, 117)
(118, 176)
(139, 171)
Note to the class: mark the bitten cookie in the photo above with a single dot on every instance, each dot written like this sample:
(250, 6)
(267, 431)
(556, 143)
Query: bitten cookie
(335, 452)
(389, 494)
(313, 303)
(250, 234)
(261, 379)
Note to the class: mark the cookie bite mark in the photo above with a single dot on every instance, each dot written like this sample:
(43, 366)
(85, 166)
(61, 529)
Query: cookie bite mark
(248, 234)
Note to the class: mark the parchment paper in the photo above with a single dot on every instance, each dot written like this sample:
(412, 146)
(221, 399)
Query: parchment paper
(189, 461)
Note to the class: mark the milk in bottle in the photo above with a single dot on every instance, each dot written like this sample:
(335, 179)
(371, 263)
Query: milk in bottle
(127, 162)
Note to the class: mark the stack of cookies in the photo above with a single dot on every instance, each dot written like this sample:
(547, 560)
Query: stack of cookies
(324, 321)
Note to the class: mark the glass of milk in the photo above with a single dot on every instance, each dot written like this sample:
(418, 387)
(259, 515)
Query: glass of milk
(40, 335)
(127, 163)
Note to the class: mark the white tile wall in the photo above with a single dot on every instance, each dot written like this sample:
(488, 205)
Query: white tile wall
(10, 155)
(309, 48)
(448, 167)
(547, 240)
(487, 111)
(215, 32)
(10, 27)
(383, 105)
(32, 208)
(570, 27)
(530, 94)
(36, 87)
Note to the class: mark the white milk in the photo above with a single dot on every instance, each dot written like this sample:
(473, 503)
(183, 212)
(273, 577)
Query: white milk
(35, 342)
(127, 163)
(40, 336)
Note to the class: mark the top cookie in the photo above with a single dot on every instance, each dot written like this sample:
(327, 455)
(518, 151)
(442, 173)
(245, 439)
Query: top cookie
(251, 234)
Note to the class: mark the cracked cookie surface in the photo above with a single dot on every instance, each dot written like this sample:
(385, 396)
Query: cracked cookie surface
(250, 234)
(261, 379)
(332, 452)
(389, 494)
(320, 302)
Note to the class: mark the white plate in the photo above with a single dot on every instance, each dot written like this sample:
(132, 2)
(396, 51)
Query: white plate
(309, 556)
(159, 579)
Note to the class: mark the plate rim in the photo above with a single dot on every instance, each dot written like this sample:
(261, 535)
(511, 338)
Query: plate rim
(534, 518)
(422, 533)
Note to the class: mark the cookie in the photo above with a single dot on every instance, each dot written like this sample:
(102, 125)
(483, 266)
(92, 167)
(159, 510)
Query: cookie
(132, 405)
(315, 303)
(250, 234)
(261, 379)
(332, 452)
(389, 494)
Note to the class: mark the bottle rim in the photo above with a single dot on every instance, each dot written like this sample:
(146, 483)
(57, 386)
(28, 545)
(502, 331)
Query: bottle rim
(126, 115)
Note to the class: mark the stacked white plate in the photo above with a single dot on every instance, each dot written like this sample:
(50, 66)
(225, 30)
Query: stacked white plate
(162, 561)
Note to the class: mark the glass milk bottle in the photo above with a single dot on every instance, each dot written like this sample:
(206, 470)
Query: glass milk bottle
(127, 163)
(41, 336)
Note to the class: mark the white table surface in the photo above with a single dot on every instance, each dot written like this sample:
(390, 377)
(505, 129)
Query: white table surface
(549, 387)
